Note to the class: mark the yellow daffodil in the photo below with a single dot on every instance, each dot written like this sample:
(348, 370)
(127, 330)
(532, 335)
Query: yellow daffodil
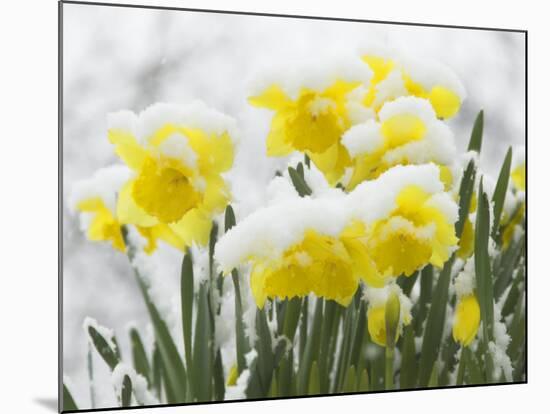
(376, 313)
(325, 266)
(103, 226)
(466, 321)
(178, 155)
(312, 123)
(408, 132)
(421, 78)
(414, 234)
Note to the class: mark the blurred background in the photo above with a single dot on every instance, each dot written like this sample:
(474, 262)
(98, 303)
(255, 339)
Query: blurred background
(124, 58)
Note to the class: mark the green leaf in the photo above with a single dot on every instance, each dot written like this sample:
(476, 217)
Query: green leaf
(500, 191)
(513, 295)
(358, 335)
(229, 218)
(202, 362)
(219, 381)
(407, 283)
(409, 368)
(484, 279)
(174, 371)
(242, 344)
(364, 381)
(426, 286)
(68, 400)
(139, 356)
(465, 196)
(292, 316)
(477, 134)
(299, 183)
(433, 332)
(187, 299)
(307, 161)
(286, 373)
(343, 362)
(314, 385)
(350, 384)
(126, 392)
(300, 170)
(473, 371)
(312, 349)
(328, 320)
(303, 326)
(103, 348)
(157, 371)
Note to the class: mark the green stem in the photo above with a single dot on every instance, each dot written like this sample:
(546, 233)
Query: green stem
(461, 366)
(389, 368)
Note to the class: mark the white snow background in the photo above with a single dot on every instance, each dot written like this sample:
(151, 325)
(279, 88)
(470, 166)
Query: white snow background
(122, 58)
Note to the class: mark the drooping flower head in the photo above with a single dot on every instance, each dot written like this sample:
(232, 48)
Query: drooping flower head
(313, 106)
(390, 226)
(407, 132)
(410, 219)
(297, 247)
(178, 155)
(396, 76)
(376, 313)
(95, 199)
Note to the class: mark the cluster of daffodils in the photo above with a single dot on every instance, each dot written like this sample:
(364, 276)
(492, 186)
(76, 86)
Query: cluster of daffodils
(383, 237)
(171, 184)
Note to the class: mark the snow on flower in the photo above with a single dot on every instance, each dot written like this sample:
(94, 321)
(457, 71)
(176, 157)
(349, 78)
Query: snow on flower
(95, 199)
(403, 216)
(408, 132)
(178, 155)
(313, 106)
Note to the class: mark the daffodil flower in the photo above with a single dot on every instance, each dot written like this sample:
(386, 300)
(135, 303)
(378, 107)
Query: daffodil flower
(178, 155)
(387, 227)
(95, 199)
(408, 132)
(311, 118)
(417, 77)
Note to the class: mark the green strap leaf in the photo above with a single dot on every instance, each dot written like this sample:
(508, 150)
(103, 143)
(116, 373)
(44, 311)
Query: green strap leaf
(68, 400)
(477, 134)
(202, 361)
(126, 392)
(465, 192)
(173, 368)
(312, 349)
(299, 183)
(139, 356)
(157, 371)
(350, 384)
(484, 279)
(434, 325)
(187, 299)
(409, 368)
(229, 218)
(103, 348)
(314, 387)
(499, 194)
(364, 381)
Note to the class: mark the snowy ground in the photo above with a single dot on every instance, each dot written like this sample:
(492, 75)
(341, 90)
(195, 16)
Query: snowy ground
(119, 58)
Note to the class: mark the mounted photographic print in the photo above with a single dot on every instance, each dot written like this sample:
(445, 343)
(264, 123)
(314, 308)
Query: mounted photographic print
(263, 206)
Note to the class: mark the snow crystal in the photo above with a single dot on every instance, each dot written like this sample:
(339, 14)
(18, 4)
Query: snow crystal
(501, 360)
